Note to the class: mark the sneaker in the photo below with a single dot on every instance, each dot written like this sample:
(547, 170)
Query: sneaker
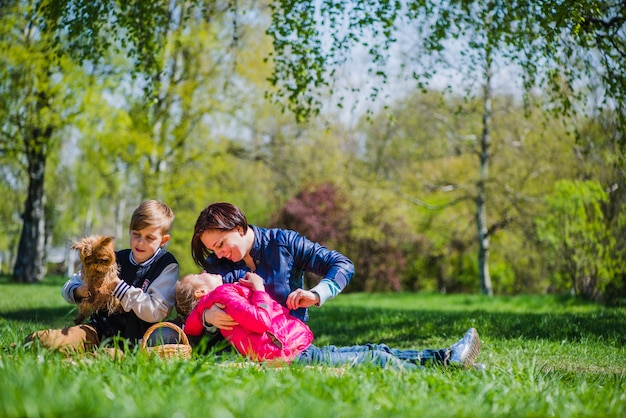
(465, 351)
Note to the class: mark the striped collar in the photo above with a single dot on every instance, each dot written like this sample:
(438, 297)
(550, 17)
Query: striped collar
(147, 262)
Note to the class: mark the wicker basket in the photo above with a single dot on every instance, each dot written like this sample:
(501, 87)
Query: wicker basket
(168, 350)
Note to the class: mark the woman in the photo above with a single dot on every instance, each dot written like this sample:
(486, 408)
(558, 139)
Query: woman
(224, 243)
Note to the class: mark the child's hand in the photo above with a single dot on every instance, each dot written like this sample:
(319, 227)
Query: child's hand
(253, 281)
(81, 292)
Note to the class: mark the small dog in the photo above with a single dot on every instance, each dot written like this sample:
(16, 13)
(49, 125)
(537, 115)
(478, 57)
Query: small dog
(97, 255)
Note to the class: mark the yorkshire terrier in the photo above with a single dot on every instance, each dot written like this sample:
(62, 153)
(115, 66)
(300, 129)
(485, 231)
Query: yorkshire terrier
(99, 271)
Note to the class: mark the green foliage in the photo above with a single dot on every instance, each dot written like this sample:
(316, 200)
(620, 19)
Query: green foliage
(576, 235)
(555, 44)
(176, 148)
(40, 91)
(504, 279)
(544, 356)
(142, 25)
(173, 108)
(311, 40)
(422, 152)
(10, 188)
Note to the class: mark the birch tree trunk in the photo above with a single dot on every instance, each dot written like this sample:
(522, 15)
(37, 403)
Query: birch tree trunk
(481, 193)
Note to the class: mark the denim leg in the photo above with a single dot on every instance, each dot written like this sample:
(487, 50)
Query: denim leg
(375, 354)
(422, 357)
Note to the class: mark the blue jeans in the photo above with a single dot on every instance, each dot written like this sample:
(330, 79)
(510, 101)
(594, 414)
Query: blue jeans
(375, 354)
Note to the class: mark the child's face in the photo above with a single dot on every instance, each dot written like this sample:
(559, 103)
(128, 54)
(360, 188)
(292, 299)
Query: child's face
(145, 242)
(204, 283)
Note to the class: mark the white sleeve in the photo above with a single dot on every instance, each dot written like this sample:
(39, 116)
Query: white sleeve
(156, 303)
(68, 288)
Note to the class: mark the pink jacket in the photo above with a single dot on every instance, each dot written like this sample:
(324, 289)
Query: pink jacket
(266, 330)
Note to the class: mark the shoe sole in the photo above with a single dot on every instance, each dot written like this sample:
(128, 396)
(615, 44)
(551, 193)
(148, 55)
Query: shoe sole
(468, 358)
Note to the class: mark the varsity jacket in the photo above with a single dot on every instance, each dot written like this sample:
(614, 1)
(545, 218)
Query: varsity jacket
(146, 294)
(266, 330)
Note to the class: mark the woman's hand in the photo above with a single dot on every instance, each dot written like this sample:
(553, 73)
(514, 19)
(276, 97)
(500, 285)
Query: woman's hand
(216, 316)
(301, 298)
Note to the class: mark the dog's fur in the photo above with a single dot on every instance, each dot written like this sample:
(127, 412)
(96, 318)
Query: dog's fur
(99, 270)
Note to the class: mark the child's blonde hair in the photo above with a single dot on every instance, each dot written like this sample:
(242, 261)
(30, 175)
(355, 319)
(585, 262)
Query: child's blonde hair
(185, 298)
(151, 213)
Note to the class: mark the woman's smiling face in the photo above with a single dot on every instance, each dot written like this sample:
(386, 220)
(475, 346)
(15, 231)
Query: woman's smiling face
(225, 244)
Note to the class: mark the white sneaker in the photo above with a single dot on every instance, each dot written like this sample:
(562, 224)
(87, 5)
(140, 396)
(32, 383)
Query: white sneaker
(466, 350)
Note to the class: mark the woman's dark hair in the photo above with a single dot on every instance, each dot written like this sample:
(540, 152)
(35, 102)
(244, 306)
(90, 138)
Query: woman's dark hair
(219, 216)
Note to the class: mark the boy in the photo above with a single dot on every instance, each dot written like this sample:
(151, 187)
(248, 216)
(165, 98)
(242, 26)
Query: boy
(145, 287)
(266, 331)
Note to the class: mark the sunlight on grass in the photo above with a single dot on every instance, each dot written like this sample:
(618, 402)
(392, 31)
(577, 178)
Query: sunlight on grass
(544, 356)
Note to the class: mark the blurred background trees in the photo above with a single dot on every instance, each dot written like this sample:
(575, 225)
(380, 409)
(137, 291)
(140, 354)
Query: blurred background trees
(370, 142)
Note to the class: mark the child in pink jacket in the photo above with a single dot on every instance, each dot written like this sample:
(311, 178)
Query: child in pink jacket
(266, 330)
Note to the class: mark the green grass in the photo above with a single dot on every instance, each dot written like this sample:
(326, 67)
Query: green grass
(544, 355)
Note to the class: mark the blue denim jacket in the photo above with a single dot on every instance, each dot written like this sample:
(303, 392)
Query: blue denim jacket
(281, 257)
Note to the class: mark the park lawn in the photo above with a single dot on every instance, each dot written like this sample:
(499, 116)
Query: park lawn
(543, 355)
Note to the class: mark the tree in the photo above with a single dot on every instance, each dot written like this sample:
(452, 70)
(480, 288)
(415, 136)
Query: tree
(43, 38)
(556, 45)
(316, 213)
(37, 105)
(369, 235)
(311, 41)
(577, 239)
(560, 46)
(483, 48)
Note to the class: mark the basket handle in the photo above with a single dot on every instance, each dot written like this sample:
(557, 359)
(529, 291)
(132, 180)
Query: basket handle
(167, 324)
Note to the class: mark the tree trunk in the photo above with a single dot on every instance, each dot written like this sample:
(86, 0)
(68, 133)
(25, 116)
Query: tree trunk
(30, 263)
(481, 195)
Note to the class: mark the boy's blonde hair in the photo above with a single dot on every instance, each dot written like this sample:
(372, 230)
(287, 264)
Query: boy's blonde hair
(185, 298)
(151, 213)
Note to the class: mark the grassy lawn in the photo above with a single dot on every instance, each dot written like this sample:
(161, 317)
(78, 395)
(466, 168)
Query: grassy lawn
(544, 356)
